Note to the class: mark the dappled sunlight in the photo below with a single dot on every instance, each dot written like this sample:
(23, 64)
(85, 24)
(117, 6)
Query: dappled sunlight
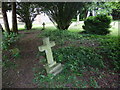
(114, 28)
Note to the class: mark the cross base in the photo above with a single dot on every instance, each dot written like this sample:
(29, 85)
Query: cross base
(53, 63)
(55, 69)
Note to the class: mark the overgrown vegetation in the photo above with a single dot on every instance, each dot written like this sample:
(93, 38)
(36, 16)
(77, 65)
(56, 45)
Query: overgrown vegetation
(80, 59)
(8, 40)
(9, 51)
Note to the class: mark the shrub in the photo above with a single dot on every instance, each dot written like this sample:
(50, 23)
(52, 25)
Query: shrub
(99, 24)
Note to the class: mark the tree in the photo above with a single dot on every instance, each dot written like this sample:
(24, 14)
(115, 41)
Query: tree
(116, 10)
(84, 11)
(5, 18)
(27, 13)
(61, 13)
(14, 18)
(1, 28)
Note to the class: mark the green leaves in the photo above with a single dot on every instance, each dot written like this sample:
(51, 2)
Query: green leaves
(62, 13)
(77, 57)
(8, 39)
(99, 24)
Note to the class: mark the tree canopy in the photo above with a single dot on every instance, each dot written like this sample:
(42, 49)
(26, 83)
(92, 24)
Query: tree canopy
(27, 13)
(61, 13)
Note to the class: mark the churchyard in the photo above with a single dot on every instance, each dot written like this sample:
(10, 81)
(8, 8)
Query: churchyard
(66, 53)
(89, 61)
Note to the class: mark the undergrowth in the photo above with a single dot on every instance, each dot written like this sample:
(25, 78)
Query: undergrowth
(79, 59)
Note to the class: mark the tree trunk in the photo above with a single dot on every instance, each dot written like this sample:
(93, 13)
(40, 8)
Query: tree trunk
(14, 18)
(28, 24)
(5, 18)
(86, 12)
(1, 28)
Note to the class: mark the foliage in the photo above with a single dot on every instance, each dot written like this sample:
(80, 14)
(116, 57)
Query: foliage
(27, 13)
(110, 48)
(9, 52)
(106, 45)
(97, 24)
(61, 35)
(61, 13)
(78, 61)
(78, 58)
(63, 80)
(101, 7)
(9, 39)
(116, 10)
(112, 8)
(8, 64)
(8, 58)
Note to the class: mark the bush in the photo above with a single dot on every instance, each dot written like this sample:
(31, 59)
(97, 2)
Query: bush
(99, 24)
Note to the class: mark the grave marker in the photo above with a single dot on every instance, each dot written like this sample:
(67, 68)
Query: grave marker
(43, 26)
(51, 67)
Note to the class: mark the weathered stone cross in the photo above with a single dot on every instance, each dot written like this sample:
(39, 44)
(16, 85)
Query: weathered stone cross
(47, 48)
(52, 67)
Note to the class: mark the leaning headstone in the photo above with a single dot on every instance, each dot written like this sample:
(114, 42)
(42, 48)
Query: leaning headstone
(51, 67)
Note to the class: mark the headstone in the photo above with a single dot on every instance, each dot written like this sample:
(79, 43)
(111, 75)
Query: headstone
(78, 16)
(43, 26)
(51, 67)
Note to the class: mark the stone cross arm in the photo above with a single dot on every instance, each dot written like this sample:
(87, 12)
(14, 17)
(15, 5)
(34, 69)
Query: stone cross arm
(52, 43)
(43, 47)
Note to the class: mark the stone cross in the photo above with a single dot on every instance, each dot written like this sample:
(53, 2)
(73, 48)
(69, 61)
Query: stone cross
(52, 67)
(47, 48)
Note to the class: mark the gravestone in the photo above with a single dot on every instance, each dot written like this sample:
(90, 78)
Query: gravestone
(78, 16)
(51, 67)
(43, 26)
